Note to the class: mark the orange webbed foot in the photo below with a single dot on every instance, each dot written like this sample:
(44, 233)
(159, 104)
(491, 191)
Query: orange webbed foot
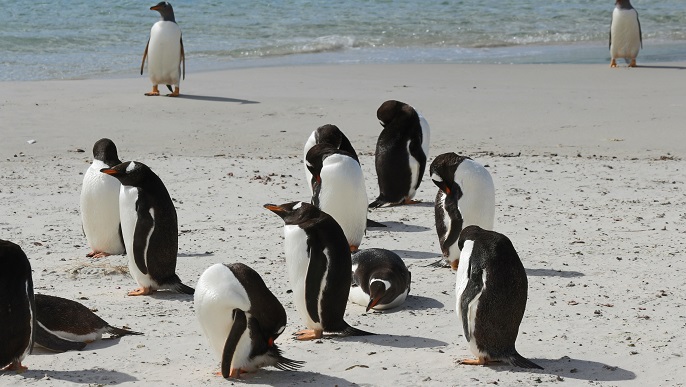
(308, 334)
(633, 62)
(155, 91)
(15, 366)
(478, 361)
(409, 201)
(141, 292)
(174, 93)
(100, 254)
(613, 63)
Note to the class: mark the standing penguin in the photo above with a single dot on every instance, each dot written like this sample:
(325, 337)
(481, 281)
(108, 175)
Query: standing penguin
(466, 196)
(319, 267)
(165, 52)
(380, 279)
(100, 203)
(401, 153)
(625, 34)
(150, 228)
(17, 309)
(338, 189)
(491, 290)
(326, 134)
(241, 319)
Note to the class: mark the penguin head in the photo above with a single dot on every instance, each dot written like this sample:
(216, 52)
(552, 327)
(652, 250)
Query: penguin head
(378, 289)
(314, 159)
(295, 213)
(264, 352)
(329, 134)
(623, 4)
(165, 9)
(442, 172)
(13, 259)
(468, 233)
(131, 173)
(105, 151)
(397, 112)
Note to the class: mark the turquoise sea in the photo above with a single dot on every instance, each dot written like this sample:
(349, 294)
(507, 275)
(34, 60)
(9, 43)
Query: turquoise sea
(72, 39)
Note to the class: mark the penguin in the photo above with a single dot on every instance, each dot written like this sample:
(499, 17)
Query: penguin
(401, 153)
(319, 267)
(165, 52)
(17, 308)
(100, 203)
(491, 291)
(72, 321)
(380, 279)
(150, 228)
(326, 134)
(625, 33)
(338, 189)
(241, 319)
(466, 196)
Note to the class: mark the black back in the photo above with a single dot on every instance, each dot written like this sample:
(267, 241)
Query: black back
(166, 11)
(445, 166)
(381, 264)
(401, 124)
(17, 309)
(61, 314)
(105, 151)
(332, 135)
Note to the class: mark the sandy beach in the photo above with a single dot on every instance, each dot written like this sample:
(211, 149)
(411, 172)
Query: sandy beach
(588, 165)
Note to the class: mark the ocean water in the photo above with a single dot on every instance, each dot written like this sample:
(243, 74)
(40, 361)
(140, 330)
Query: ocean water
(73, 39)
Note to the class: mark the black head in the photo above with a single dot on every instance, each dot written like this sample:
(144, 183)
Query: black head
(131, 173)
(315, 158)
(397, 112)
(166, 11)
(296, 213)
(442, 171)
(623, 4)
(377, 291)
(13, 259)
(329, 134)
(263, 350)
(105, 151)
(471, 233)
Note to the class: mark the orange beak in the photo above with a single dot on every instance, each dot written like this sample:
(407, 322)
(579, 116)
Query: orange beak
(274, 208)
(154, 8)
(447, 190)
(109, 171)
(372, 303)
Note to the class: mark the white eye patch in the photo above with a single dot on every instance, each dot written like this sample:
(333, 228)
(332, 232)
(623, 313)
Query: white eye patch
(435, 177)
(131, 167)
(300, 204)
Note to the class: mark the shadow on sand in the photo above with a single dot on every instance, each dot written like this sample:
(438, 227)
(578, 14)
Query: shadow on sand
(567, 367)
(216, 99)
(96, 376)
(553, 273)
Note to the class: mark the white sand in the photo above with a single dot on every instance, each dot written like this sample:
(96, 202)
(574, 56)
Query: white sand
(593, 200)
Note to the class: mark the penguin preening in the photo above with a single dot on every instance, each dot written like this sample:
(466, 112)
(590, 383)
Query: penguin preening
(401, 153)
(339, 190)
(319, 267)
(165, 52)
(72, 321)
(326, 134)
(241, 319)
(466, 196)
(626, 38)
(380, 279)
(491, 289)
(100, 203)
(150, 228)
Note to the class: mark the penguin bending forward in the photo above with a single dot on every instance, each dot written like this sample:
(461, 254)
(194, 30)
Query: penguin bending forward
(319, 267)
(100, 203)
(165, 52)
(150, 228)
(625, 34)
(326, 134)
(241, 319)
(466, 196)
(380, 279)
(491, 291)
(338, 189)
(401, 153)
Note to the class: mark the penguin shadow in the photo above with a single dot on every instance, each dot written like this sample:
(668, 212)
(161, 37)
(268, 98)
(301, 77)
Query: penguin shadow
(96, 376)
(271, 377)
(403, 227)
(409, 254)
(396, 341)
(662, 67)
(413, 302)
(186, 255)
(553, 273)
(567, 367)
(171, 296)
(210, 98)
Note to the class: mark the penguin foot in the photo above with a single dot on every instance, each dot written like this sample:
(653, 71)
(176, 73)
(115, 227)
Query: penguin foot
(15, 366)
(633, 62)
(174, 93)
(454, 264)
(141, 292)
(155, 91)
(308, 334)
(100, 254)
(478, 361)
(409, 201)
(613, 63)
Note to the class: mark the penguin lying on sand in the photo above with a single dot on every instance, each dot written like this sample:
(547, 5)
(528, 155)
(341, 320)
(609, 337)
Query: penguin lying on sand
(165, 52)
(380, 279)
(241, 319)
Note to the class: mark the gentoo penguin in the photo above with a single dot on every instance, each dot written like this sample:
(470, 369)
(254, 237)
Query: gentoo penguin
(241, 319)
(380, 279)
(338, 189)
(466, 196)
(319, 267)
(165, 51)
(625, 34)
(72, 321)
(401, 153)
(100, 203)
(17, 309)
(491, 290)
(150, 228)
(326, 134)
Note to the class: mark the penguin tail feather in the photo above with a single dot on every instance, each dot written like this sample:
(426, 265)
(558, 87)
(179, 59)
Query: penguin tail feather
(119, 332)
(372, 223)
(518, 360)
(352, 331)
(377, 203)
(170, 88)
(181, 288)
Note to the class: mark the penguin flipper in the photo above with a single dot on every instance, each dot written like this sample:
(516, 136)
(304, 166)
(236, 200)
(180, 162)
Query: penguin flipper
(170, 88)
(240, 324)
(144, 226)
(182, 288)
(313, 281)
(377, 203)
(145, 55)
(518, 360)
(52, 342)
(417, 152)
(471, 291)
(183, 59)
(119, 332)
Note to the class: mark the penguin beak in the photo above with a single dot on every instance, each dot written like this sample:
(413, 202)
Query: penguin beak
(110, 171)
(278, 210)
(155, 8)
(372, 303)
(270, 342)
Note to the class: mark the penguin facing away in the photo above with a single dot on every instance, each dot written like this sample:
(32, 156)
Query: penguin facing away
(100, 203)
(150, 228)
(491, 289)
(241, 319)
(164, 52)
(17, 309)
(338, 189)
(380, 279)
(626, 38)
(400, 157)
(326, 134)
(72, 321)
(319, 267)
(466, 196)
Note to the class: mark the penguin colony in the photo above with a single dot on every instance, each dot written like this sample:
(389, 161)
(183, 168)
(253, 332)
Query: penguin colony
(126, 209)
